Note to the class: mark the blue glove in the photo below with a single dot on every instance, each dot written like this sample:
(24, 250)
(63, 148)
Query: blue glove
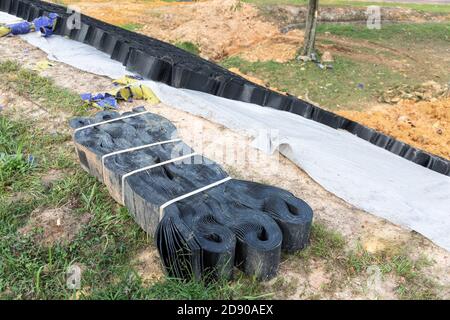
(45, 24)
(20, 28)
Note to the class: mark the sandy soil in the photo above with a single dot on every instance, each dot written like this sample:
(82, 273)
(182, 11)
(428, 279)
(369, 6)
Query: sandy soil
(54, 225)
(148, 265)
(220, 28)
(357, 226)
(424, 124)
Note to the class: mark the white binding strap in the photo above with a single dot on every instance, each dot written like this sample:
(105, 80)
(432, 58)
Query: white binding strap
(111, 120)
(134, 149)
(168, 203)
(151, 167)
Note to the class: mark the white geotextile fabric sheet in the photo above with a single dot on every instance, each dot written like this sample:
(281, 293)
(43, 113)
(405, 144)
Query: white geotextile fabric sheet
(362, 174)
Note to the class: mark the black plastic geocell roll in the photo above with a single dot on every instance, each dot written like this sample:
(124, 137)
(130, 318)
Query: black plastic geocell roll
(236, 223)
(163, 62)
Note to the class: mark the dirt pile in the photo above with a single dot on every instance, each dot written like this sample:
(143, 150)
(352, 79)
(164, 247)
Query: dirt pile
(220, 28)
(424, 124)
(118, 12)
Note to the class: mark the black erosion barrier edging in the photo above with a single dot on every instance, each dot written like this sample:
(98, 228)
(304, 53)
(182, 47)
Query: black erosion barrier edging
(163, 62)
(204, 222)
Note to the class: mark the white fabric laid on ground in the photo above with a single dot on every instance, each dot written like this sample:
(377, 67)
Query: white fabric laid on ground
(8, 19)
(362, 174)
(77, 54)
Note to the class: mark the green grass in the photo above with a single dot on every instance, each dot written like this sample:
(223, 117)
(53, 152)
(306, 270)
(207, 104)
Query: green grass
(413, 284)
(104, 246)
(188, 46)
(26, 153)
(334, 89)
(325, 244)
(330, 246)
(13, 162)
(429, 32)
(12, 165)
(40, 90)
(434, 8)
(425, 7)
(132, 26)
(170, 288)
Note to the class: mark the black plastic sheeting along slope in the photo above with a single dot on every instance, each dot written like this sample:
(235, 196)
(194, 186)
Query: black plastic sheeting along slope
(237, 223)
(160, 61)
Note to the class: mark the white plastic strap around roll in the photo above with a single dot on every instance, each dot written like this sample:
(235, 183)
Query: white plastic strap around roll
(125, 176)
(134, 149)
(168, 203)
(111, 120)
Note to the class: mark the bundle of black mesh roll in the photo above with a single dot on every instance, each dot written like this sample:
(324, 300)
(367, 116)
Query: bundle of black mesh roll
(204, 223)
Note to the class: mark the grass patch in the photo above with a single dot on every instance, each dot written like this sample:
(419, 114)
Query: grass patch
(423, 32)
(325, 244)
(350, 84)
(40, 90)
(104, 246)
(13, 161)
(170, 288)
(12, 165)
(189, 47)
(413, 284)
(132, 26)
(424, 7)
(26, 153)
(330, 246)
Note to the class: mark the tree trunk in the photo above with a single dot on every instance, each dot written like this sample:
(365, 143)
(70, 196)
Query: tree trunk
(310, 30)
